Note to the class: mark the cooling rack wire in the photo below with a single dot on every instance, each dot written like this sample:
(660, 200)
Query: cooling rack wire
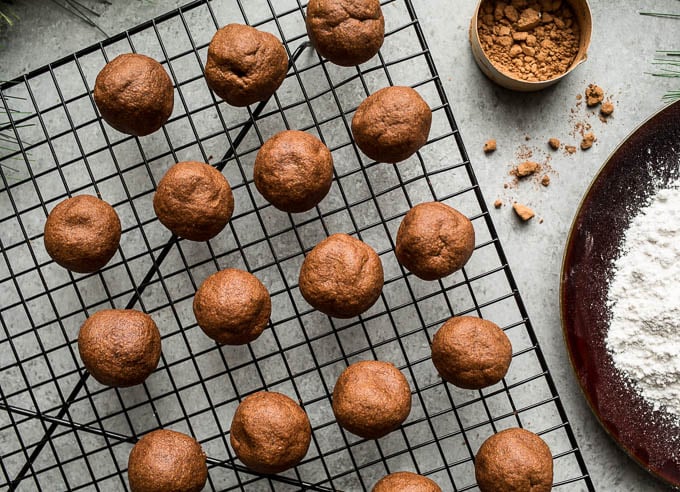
(60, 429)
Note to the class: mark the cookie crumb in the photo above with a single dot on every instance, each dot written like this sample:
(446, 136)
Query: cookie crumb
(587, 141)
(571, 149)
(523, 212)
(607, 108)
(554, 143)
(594, 95)
(526, 168)
(498, 203)
(490, 146)
(579, 97)
(545, 180)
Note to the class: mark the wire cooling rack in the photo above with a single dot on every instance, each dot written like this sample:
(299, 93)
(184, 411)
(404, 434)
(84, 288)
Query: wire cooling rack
(60, 429)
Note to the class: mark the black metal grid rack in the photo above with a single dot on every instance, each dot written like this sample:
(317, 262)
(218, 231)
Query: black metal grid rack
(61, 430)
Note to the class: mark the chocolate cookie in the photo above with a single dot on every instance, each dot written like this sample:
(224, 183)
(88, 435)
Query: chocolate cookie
(167, 461)
(347, 32)
(82, 233)
(434, 240)
(134, 94)
(120, 347)
(392, 124)
(232, 307)
(514, 460)
(245, 65)
(293, 171)
(471, 353)
(194, 200)
(371, 399)
(341, 277)
(405, 482)
(270, 433)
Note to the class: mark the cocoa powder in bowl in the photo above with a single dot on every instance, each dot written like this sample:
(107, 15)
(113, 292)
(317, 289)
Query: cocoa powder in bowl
(533, 41)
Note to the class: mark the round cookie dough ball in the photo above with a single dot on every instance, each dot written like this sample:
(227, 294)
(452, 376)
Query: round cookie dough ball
(471, 353)
(134, 94)
(514, 460)
(82, 233)
(392, 124)
(165, 461)
(405, 482)
(434, 240)
(245, 65)
(371, 399)
(232, 307)
(347, 32)
(270, 433)
(342, 276)
(194, 200)
(293, 171)
(120, 347)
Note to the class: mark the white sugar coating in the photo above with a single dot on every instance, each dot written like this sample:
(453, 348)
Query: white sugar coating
(644, 300)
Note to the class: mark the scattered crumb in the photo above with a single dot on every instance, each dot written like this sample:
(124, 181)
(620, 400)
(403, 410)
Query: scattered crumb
(498, 203)
(607, 108)
(587, 141)
(554, 143)
(490, 146)
(523, 212)
(523, 153)
(506, 185)
(526, 168)
(540, 221)
(545, 180)
(570, 149)
(594, 95)
(527, 138)
(579, 97)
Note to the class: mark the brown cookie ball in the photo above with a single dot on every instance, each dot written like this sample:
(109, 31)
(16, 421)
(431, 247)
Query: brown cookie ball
(471, 353)
(270, 432)
(232, 307)
(119, 347)
(194, 200)
(392, 124)
(167, 461)
(514, 460)
(245, 65)
(347, 32)
(371, 399)
(293, 171)
(405, 482)
(341, 277)
(434, 240)
(134, 94)
(82, 233)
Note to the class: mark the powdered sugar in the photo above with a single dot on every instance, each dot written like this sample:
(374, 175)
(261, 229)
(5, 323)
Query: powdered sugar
(644, 300)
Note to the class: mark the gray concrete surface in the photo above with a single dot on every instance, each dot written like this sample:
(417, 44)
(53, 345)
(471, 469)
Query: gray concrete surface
(623, 44)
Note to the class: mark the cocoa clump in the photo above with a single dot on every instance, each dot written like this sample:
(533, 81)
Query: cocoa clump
(523, 212)
(607, 108)
(588, 140)
(594, 95)
(533, 42)
(554, 143)
(526, 168)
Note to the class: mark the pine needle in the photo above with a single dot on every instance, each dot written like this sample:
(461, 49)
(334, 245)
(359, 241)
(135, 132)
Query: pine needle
(663, 15)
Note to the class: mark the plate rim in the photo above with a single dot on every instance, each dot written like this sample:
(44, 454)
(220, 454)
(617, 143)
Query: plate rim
(675, 106)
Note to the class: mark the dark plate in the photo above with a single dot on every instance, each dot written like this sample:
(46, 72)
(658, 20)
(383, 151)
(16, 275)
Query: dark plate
(649, 156)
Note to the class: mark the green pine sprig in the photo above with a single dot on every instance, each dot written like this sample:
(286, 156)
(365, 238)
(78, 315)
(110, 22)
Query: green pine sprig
(666, 63)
